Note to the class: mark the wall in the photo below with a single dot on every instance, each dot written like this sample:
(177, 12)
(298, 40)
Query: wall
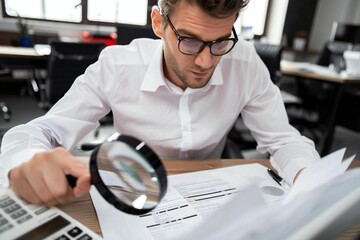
(326, 13)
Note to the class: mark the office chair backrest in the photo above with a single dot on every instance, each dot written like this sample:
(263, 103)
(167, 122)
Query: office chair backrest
(126, 33)
(333, 54)
(66, 62)
(271, 55)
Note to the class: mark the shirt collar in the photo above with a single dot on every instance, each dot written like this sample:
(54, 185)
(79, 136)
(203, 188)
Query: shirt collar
(154, 76)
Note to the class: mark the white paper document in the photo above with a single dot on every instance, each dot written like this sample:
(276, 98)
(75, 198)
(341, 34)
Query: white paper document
(325, 213)
(309, 67)
(190, 198)
(222, 203)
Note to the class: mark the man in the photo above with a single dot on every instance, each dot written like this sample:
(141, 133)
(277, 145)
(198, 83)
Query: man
(181, 95)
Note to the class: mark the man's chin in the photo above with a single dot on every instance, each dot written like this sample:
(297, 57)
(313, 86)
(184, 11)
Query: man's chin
(197, 84)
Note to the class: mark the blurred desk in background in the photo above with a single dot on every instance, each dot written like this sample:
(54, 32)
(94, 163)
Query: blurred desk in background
(26, 64)
(303, 70)
(316, 72)
(20, 54)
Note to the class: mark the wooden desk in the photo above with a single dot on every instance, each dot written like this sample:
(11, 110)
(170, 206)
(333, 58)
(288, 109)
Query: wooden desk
(15, 52)
(295, 69)
(340, 81)
(22, 58)
(83, 210)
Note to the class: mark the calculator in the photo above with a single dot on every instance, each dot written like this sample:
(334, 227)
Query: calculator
(21, 220)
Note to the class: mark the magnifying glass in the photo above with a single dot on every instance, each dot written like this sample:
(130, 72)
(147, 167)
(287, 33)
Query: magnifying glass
(128, 174)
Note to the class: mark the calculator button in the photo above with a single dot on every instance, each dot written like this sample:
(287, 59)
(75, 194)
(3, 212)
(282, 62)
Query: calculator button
(75, 232)
(62, 237)
(6, 202)
(5, 228)
(33, 207)
(18, 214)
(84, 237)
(41, 210)
(12, 208)
(24, 219)
(3, 221)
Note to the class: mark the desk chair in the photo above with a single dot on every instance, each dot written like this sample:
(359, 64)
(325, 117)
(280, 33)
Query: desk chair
(239, 137)
(66, 62)
(271, 54)
(318, 97)
(126, 33)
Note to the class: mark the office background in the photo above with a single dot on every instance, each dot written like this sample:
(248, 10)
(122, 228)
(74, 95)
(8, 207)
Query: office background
(287, 20)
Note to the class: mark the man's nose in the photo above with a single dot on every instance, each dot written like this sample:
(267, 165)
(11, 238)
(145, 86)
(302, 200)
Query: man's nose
(204, 59)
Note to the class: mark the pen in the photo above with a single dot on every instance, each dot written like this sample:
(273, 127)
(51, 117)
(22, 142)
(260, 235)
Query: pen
(276, 177)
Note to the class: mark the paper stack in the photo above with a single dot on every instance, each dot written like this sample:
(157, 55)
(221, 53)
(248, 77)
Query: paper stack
(244, 202)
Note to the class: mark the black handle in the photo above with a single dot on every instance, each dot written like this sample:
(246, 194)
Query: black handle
(71, 180)
(88, 146)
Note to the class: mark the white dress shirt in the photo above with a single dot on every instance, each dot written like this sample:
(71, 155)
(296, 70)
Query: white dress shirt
(176, 124)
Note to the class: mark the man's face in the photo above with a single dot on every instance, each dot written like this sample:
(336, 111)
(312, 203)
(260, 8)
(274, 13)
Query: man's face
(192, 71)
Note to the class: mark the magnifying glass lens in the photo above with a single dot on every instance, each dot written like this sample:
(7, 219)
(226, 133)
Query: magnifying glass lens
(127, 179)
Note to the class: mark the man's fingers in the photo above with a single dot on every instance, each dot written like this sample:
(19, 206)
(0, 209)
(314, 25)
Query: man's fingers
(58, 187)
(70, 164)
(82, 186)
(40, 185)
(43, 178)
(22, 187)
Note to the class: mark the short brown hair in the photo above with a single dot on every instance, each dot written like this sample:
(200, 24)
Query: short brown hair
(215, 8)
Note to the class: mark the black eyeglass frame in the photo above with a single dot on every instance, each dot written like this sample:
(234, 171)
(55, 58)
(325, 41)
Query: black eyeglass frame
(209, 44)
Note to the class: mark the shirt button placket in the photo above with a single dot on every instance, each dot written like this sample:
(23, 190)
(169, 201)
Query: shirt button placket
(186, 143)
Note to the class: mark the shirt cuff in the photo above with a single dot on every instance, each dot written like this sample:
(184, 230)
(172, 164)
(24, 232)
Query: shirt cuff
(9, 162)
(289, 163)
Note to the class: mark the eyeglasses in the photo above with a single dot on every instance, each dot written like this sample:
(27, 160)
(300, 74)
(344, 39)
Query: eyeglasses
(192, 46)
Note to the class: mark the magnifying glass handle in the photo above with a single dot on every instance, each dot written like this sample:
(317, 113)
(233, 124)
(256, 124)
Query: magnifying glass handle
(88, 146)
(71, 180)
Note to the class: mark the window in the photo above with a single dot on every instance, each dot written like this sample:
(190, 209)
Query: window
(64, 10)
(120, 11)
(107, 12)
(252, 19)
(111, 12)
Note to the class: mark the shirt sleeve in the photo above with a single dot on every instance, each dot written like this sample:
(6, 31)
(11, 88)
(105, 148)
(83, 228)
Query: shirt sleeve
(65, 124)
(265, 115)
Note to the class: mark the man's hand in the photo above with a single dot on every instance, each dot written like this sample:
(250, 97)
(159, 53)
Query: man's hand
(42, 180)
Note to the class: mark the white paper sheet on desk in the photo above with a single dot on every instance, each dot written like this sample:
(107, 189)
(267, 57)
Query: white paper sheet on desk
(317, 209)
(328, 168)
(310, 67)
(220, 187)
(322, 213)
(190, 199)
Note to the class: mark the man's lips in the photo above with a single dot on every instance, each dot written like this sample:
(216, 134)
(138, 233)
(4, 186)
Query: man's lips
(199, 74)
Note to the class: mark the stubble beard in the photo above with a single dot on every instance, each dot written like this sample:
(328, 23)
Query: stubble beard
(188, 82)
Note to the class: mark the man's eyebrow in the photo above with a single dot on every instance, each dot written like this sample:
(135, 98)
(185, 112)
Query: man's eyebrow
(184, 32)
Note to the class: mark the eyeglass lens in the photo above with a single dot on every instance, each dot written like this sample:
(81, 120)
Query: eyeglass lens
(193, 46)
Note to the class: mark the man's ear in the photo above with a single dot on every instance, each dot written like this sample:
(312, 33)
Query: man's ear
(156, 21)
